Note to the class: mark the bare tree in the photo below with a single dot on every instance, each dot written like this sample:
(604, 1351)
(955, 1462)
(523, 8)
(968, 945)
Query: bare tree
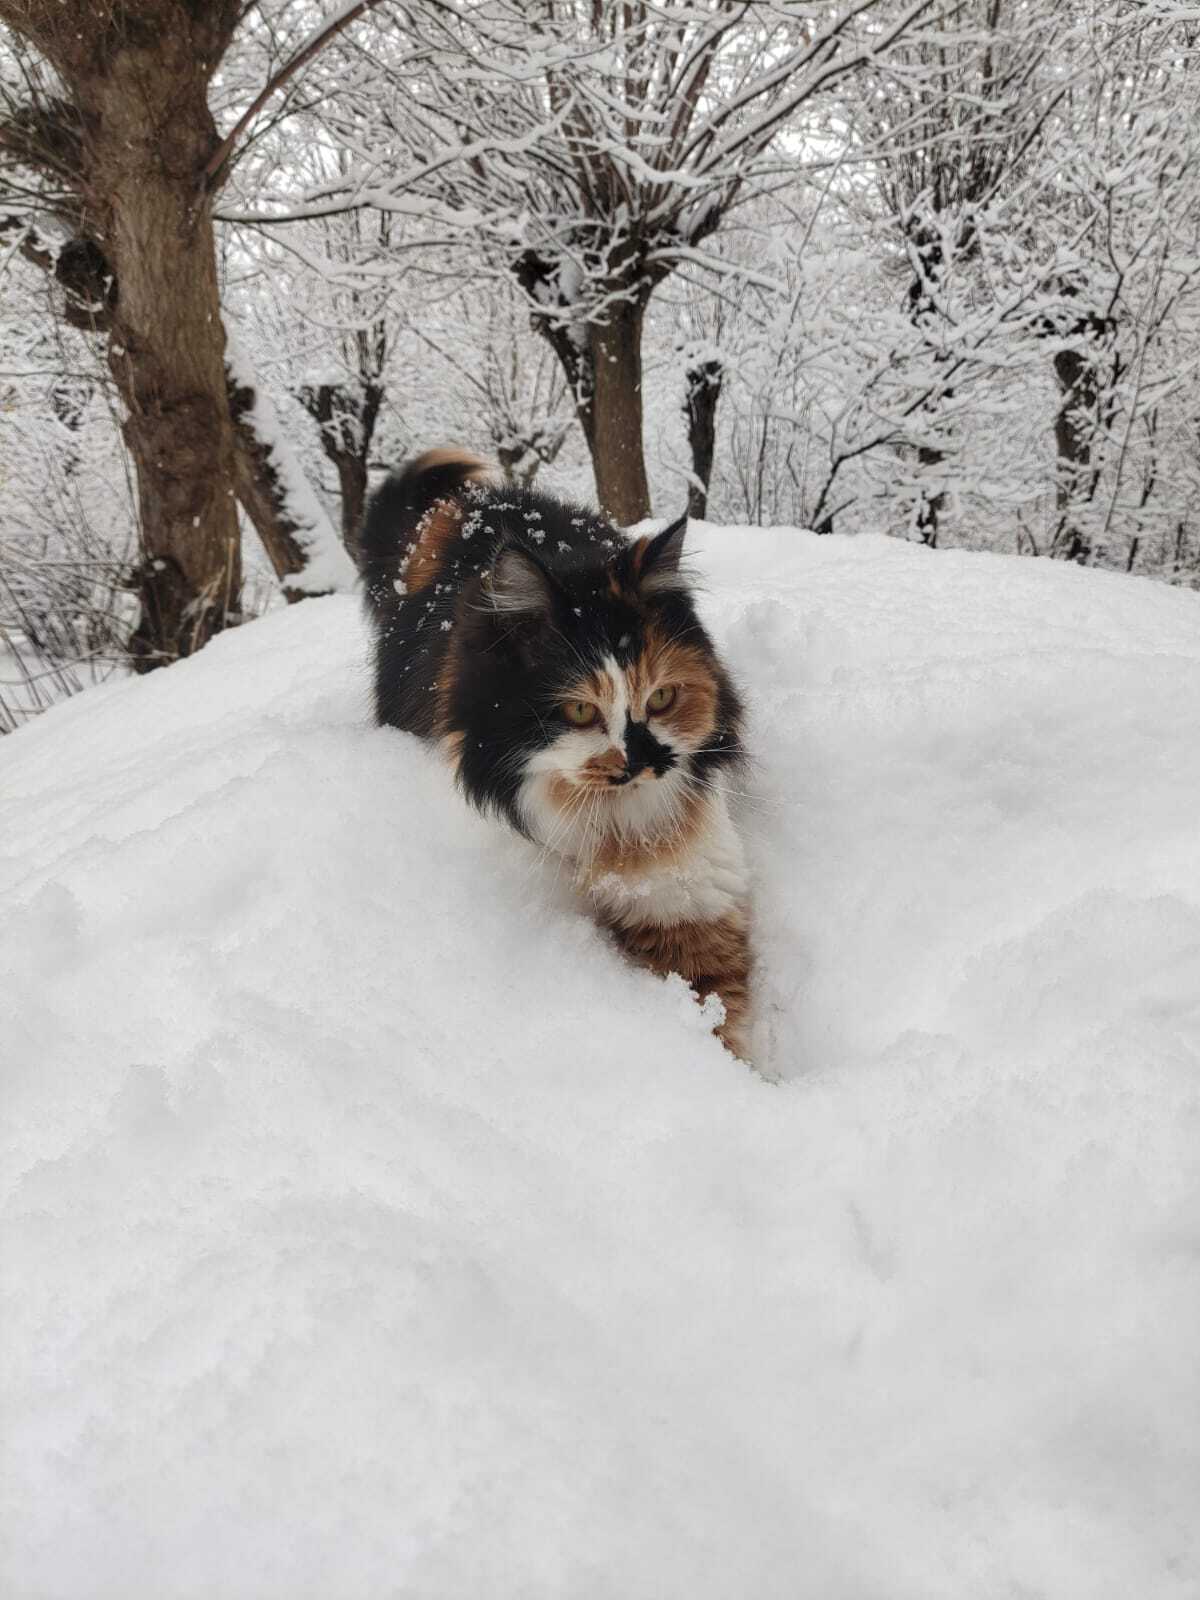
(703, 376)
(353, 320)
(952, 121)
(136, 112)
(1126, 145)
(346, 414)
(597, 147)
(112, 135)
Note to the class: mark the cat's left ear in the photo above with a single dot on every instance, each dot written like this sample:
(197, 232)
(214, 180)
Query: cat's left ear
(518, 585)
(659, 567)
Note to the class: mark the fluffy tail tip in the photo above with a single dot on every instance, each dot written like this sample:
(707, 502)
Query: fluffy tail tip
(465, 463)
(396, 510)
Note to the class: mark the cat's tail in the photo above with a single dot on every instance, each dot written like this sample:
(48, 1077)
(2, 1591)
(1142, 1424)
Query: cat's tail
(398, 508)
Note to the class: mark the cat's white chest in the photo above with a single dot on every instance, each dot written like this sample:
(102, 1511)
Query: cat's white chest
(692, 873)
(704, 883)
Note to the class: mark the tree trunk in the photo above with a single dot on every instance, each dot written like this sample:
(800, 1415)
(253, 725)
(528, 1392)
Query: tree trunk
(346, 420)
(1073, 425)
(602, 363)
(618, 456)
(151, 134)
(926, 247)
(352, 480)
(703, 380)
(538, 279)
(931, 506)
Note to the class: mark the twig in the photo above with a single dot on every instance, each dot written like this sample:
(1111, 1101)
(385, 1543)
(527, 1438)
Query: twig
(221, 156)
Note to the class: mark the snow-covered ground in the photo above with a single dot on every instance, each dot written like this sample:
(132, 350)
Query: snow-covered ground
(371, 1230)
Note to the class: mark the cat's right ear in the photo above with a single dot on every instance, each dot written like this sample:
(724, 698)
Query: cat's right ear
(518, 585)
(659, 565)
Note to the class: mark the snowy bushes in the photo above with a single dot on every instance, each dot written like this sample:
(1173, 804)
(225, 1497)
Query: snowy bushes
(67, 536)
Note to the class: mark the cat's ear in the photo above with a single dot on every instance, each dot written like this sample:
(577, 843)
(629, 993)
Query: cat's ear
(659, 569)
(518, 585)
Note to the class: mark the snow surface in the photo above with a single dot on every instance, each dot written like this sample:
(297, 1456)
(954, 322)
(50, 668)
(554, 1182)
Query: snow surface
(370, 1229)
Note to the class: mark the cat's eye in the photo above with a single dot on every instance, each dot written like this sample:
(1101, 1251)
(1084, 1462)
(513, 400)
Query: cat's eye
(662, 697)
(579, 713)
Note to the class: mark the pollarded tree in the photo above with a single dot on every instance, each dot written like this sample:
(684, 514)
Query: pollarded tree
(133, 133)
(596, 148)
(1123, 175)
(107, 133)
(952, 122)
(1039, 162)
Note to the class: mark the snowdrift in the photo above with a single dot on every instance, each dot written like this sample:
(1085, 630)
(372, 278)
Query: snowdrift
(369, 1229)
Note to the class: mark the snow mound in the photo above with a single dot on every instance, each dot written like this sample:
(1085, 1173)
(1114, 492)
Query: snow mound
(370, 1229)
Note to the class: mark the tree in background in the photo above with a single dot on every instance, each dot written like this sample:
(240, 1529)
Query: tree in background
(599, 147)
(951, 123)
(939, 265)
(346, 413)
(1124, 179)
(129, 139)
(702, 363)
(514, 397)
(988, 333)
(108, 123)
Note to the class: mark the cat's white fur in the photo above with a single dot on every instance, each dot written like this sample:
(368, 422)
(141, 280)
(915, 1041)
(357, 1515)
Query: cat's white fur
(706, 884)
(703, 884)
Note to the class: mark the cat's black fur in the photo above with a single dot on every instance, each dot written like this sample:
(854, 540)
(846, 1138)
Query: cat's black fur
(463, 656)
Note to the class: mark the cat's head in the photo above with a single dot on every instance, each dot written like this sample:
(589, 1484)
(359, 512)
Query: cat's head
(593, 700)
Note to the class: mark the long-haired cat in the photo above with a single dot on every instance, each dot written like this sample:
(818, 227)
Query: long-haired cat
(566, 675)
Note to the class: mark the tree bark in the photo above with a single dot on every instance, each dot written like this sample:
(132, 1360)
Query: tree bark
(602, 362)
(137, 77)
(928, 256)
(151, 133)
(346, 421)
(703, 380)
(352, 482)
(90, 296)
(569, 343)
(1073, 426)
(618, 455)
(931, 506)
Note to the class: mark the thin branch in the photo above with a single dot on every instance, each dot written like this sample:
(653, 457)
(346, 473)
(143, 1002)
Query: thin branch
(221, 158)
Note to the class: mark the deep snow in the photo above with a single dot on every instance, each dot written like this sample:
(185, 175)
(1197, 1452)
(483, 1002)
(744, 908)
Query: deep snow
(371, 1230)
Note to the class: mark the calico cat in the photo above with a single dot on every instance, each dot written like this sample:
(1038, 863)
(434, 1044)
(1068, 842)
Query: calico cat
(568, 679)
